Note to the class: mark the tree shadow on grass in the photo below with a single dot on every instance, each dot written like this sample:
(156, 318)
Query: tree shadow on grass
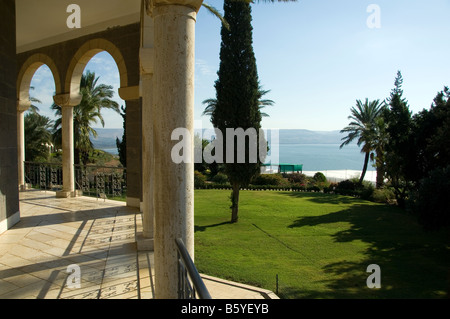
(198, 228)
(322, 198)
(414, 264)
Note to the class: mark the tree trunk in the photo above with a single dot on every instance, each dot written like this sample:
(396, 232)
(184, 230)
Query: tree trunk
(76, 156)
(366, 162)
(235, 203)
(380, 169)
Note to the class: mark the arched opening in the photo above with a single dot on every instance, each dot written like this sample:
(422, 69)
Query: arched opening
(39, 118)
(29, 69)
(94, 76)
(38, 80)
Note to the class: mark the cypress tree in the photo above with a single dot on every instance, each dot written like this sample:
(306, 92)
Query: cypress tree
(237, 92)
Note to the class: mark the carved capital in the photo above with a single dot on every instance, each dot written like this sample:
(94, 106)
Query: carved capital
(150, 4)
(67, 100)
(23, 105)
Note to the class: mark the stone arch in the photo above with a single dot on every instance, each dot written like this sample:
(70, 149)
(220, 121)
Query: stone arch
(82, 57)
(27, 71)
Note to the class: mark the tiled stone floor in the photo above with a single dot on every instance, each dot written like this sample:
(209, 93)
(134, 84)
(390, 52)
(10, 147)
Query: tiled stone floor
(98, 236)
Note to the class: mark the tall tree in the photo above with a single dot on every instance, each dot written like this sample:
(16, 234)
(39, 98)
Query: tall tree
(237, 93)
(95, 98)
(122, 144)
(399, 153)
(211, 103)
(363, 129)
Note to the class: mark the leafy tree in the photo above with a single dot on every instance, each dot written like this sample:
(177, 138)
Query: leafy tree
(430, 201)
(95, 98)
(431, 136)
(237, 94)
(122, 144)
(363, 128)
(38, 137)
(399, 156)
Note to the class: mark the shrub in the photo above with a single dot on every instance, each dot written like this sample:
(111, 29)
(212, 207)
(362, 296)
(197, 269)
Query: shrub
(383, 195)
(430, 201)
(353, 188)
(319, 177)
(270, 179)
(297, 178)
(346, 187)
(199, 180)
(220, 178)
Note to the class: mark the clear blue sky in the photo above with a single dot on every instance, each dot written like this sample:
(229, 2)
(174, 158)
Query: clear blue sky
(318, 57)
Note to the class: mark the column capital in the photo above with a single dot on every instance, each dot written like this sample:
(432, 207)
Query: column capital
(194, 4)
(23, 105)
(67, 99)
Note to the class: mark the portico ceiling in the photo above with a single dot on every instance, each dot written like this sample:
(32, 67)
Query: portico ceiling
(44, 22)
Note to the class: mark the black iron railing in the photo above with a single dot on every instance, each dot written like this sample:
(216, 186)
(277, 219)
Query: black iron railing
(190, 284)
(98, 181)
(101, 181)
(45, 176)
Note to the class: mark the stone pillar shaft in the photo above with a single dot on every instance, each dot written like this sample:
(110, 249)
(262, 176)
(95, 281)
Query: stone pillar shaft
(68, 151)
(173, 108)
(22, 107)
(67, 102)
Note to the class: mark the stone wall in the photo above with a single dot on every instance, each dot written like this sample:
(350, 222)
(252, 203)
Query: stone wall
(9, 192)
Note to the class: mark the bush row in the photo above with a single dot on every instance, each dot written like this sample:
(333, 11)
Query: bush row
(298, 182)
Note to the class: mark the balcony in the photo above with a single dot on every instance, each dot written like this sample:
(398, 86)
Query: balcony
(95, 236)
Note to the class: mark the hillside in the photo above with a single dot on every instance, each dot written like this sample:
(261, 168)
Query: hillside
(106, 138)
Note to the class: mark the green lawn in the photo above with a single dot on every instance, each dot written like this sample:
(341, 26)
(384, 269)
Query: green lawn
(319, 245)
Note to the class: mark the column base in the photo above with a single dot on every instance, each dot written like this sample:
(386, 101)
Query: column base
(25, 187)
(144, 244)
(68, 194)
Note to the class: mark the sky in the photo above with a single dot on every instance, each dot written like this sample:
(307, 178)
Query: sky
(317, 57)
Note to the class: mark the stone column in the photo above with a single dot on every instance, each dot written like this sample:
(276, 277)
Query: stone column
(174, 23)
(67, 103)
(22, 107)
(147, 55)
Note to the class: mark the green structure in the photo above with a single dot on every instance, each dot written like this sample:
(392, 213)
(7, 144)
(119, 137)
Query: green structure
(287, 168)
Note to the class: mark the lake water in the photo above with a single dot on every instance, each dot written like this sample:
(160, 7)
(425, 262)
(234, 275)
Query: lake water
(316, 157)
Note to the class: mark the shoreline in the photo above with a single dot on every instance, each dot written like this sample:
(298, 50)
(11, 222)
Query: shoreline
(341, 175)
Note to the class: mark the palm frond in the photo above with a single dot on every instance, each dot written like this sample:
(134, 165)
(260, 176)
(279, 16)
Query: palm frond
(217, 14)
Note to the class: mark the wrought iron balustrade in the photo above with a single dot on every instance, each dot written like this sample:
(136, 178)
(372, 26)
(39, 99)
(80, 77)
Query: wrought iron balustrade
(45, 176)
(101, 181)
(190, 284)
(98, 181)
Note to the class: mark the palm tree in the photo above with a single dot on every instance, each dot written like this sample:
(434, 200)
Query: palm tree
(33, 100)
(95, 97)
(363, 128)
(211, 103)
(38, 137)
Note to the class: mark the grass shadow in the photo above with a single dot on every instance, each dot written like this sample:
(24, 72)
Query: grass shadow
(414, 264)
(198, 228)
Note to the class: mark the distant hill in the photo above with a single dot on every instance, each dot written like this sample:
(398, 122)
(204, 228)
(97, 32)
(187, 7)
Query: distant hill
(107, 137)
(299, 136)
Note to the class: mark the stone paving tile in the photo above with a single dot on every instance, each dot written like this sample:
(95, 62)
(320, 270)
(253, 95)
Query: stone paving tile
(99, 236)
